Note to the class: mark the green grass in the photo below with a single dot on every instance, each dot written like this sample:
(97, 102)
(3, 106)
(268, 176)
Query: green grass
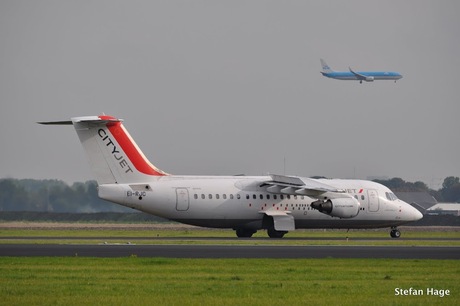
(204, 232)
(196, 236)
(160, 281)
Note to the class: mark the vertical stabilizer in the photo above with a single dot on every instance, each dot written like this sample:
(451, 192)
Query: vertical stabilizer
(113, 155)
(325, 67)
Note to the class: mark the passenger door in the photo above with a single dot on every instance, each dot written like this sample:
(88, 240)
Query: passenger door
(182, 199)
(373, 198)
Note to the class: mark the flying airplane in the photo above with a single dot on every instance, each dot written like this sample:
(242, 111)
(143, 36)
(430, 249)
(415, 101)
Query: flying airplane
(368, 76)
(277, 203)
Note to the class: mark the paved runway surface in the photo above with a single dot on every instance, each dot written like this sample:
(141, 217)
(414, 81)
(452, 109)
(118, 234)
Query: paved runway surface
(230, 251)
(258, 239)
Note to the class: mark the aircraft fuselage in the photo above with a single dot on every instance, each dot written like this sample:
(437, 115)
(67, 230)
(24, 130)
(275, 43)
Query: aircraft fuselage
(240, 202)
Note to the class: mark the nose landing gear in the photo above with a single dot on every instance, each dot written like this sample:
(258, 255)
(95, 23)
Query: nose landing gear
(395, 233)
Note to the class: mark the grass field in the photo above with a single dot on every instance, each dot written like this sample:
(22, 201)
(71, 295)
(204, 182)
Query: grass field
(200, 236)
(160, 281)
(165, 281)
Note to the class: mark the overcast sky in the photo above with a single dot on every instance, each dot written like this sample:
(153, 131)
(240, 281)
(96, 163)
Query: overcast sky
(231, 87)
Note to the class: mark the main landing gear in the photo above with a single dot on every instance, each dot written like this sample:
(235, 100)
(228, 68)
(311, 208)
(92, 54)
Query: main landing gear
(395, 233)
(273, 233)
(247, 233)
(244, 233)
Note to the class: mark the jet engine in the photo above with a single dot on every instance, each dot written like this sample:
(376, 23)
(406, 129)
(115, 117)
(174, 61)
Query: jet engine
(340, 207)
(370, 79)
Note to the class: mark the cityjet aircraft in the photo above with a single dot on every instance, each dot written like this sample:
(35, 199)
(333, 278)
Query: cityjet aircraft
(368, 76)
(277, 203)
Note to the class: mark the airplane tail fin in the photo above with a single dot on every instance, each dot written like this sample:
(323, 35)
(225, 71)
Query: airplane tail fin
(113, 155)
(325, 67)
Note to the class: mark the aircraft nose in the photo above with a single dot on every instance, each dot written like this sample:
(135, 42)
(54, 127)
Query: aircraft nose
(413, 213)
(417, 215)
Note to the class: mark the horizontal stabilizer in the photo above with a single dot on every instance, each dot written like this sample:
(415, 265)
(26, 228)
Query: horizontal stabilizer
(56, 122)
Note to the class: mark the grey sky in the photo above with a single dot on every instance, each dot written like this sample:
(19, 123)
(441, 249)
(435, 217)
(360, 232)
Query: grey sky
(229, 87)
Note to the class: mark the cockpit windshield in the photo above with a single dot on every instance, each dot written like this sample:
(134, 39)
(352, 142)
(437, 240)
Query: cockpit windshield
(391, 196)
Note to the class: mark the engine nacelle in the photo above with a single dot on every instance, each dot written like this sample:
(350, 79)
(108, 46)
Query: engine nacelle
(340, 207)
(370, 79)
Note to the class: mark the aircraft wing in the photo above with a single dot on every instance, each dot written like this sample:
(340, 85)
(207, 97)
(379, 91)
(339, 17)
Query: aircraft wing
(295, 185)
(358, 75)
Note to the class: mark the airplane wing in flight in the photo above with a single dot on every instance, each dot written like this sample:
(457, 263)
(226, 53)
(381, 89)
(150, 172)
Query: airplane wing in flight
(362, 77)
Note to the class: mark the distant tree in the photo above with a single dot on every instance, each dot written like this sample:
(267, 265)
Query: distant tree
(53, 196)
(451, 189)
(450, 182)
(398, 184)
(12, 196)
(421, 186)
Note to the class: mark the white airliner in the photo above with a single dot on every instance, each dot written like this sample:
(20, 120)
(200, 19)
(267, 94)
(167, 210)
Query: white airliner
(277, 203)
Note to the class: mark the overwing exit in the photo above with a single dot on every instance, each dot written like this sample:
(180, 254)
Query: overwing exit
(367, 76)
(276, 203)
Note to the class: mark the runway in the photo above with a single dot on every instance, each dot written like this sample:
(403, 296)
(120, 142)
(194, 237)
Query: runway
(230, 251)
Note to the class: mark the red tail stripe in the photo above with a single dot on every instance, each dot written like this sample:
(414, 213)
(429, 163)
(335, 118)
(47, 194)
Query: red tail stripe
(132, 151)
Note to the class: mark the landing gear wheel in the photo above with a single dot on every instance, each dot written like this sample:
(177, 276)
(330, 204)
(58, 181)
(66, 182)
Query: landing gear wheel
(244, 233)
(273, 233)
(395, 233)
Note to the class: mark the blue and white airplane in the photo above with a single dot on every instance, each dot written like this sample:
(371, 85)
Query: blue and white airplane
(368, 76)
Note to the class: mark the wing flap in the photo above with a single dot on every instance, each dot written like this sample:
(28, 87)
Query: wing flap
(294, 185)
(282, 221)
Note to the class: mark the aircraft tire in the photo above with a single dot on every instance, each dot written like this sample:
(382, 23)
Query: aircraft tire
(395, 233)
(273, 233)
(244, 233)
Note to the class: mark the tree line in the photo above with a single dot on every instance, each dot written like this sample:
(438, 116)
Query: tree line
(57, 196)
(53, 196)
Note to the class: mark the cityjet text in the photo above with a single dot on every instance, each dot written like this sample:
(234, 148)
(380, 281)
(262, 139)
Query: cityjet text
(115, 153)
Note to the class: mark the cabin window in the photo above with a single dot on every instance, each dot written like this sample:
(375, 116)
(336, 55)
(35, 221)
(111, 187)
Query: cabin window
(254, 196)
(238, 196)
(231, 196)
(203, 196)
(261, 196)
(195, 196)
(210, 196)
(224, 196)
(281, 197)
(268, 197)
(217, 196)
(362, 198)
(288, 196)
(275, 197)
(247, 196)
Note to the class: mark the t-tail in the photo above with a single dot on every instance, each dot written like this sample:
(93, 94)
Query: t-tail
(113, 155)
(325, 67)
